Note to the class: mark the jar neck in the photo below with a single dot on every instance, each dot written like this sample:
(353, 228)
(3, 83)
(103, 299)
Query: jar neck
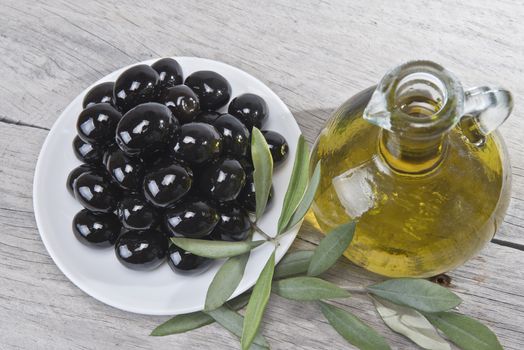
(412, 156)
(416, 105)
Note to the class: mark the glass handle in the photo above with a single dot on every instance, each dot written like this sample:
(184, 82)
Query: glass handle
(486, 108)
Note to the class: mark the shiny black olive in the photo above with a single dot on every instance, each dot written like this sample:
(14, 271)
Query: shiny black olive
(207, 117)
(136, 214)
(146, 129)
(86, 152)
(169, 72)
(234, 224)
(277, 146)
(75, 173)
(222, 180)
(97, 124)
(181, 261)
(213, 90)
(100, 93)
(141, 250)
(198, 143)
(191, 218)
(250, 109)
(166, 184)
(127, 172)
(95, 192)
(135, 86)
(235, 135)
(96, 229)
(182, 102)
(247, 196)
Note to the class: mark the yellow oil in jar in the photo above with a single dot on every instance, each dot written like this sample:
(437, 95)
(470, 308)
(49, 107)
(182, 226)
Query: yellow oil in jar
(409, 225)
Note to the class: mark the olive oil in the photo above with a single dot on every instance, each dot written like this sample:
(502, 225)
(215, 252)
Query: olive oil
(423, 205)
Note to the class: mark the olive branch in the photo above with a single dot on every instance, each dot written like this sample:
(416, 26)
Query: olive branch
(415, 308)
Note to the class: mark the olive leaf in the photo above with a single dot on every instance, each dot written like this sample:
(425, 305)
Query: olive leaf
(353, 329)
(331, 248)
(419, 294)
(410, 323)
(226, 280)
(308, 288)
(293, 263)
(465, 332)
(194, 320)
(232, 321)
(297, 184)
(307, 199)
(215, 249)
(257, 303)
(262, 176)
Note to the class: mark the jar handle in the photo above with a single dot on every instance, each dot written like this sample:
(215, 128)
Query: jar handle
(486, 108)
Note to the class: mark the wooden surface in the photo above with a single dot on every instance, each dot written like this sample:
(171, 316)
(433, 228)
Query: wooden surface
(314, 55)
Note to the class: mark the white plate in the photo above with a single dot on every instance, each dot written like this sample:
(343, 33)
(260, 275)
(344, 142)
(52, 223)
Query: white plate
(97, 272)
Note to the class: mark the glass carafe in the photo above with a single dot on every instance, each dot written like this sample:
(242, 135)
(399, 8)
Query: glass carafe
(417, 162)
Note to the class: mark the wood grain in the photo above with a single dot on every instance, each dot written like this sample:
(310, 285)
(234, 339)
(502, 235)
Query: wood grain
(314, 55)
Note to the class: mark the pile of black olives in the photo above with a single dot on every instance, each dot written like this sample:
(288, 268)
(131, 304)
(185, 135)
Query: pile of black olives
(161, 161)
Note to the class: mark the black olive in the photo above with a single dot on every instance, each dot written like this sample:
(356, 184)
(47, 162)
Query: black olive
(207, 117)
(250, 109)
(135, 86)
(86, 152)
(169, 72)
(182, 102)
(235, 135)
(247, 164)
(247, 196)
(277, 146)
(136, 214)
(198, 143)
(97, 124)
(181, 261)
(127, 172)
(191, 218)
(222, 180)
(95, 192)
(75, 173)
(96, 229)
(166, 184)
(146, 129)
(234, 224)
(141, 250)
(100, 93)
(213, 90)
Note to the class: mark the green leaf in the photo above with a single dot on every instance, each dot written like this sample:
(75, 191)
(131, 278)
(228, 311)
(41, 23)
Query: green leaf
(239, 302)
(297, 184)
(308, 288)
(182, 323)
(412, 324)
(352, 329)
(215, 249)
(416, 293)
(233, 322)
(307, 199)
(257, 303)
(465, 332)
(194, 320)
(226, 281)
(331, 248)
(263, 164)
(293, 263)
